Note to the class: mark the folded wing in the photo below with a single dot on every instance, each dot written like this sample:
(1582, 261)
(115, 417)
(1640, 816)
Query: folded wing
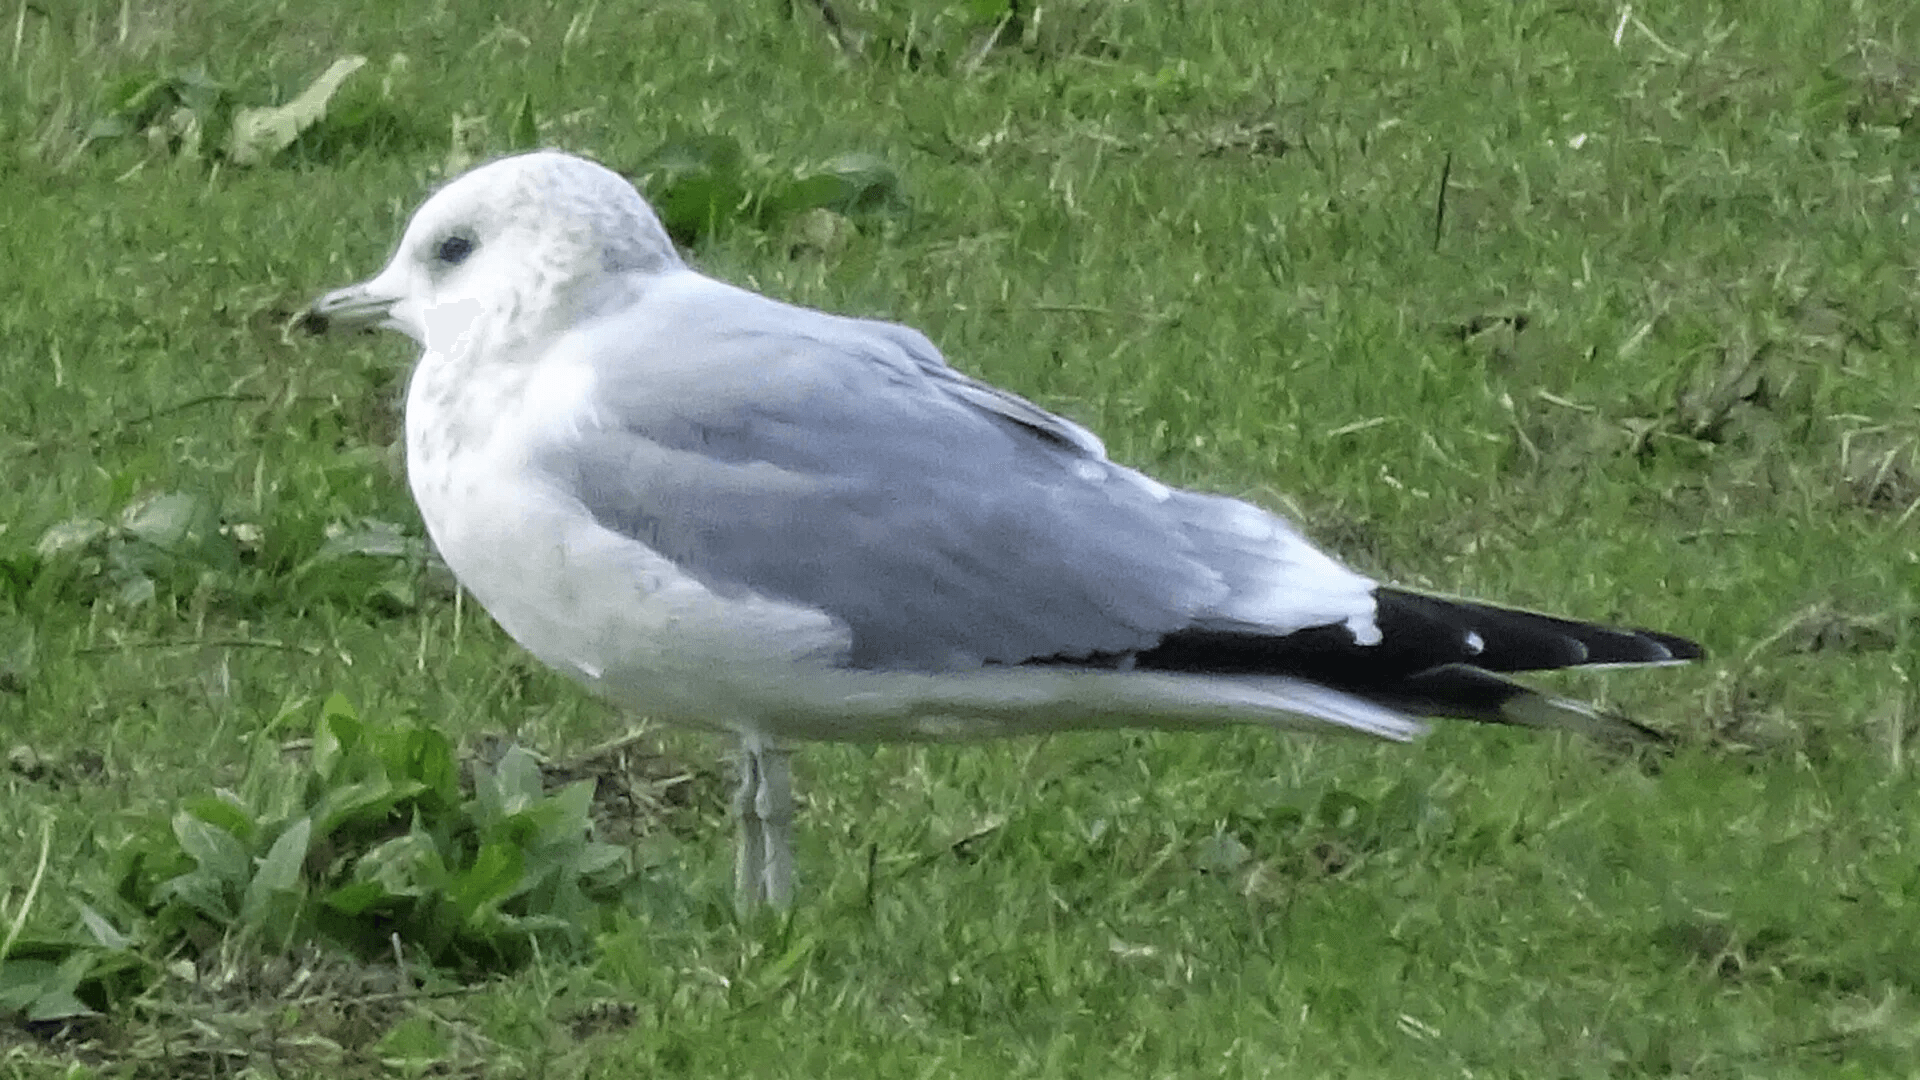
(841, 465)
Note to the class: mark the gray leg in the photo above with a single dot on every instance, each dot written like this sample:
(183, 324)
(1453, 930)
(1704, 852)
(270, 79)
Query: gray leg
(747, 864)
(775, 809)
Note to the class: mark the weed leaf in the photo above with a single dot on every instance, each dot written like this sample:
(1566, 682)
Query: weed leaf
(261, 133)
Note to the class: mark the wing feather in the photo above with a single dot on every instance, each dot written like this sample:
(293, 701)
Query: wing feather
(840, 464)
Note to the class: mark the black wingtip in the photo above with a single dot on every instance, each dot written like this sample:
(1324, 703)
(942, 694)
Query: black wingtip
(1513, 639)
(1678, 648)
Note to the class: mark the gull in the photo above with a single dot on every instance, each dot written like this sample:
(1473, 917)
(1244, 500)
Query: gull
(732, 513)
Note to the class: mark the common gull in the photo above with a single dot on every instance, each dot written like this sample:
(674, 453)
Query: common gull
(729, 512)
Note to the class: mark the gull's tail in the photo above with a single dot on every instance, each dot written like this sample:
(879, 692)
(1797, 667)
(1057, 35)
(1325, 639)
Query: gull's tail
(1439, 657)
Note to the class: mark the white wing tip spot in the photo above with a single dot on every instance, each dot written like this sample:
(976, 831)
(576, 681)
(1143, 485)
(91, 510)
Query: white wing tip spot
(1475, 644)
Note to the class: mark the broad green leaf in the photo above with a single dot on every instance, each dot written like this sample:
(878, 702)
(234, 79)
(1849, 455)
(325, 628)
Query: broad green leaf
(198, 91)
(338, 733)
(58, 998)
(394, 596)
(867, 181)
(805, 193)
(104, 932)
(688, 153)
(215, 849)
(114, 126)
(356, 897)
(366, 803)
(595, 859)
(511, 787)
(416, 1042)
(425, 756)
(493, 877)
(69, 536)
(337, 707)
(146, 101)
(201, 891)
(695, 205)
(847, 184)
(276, 886)
(1221, 853)
(23, 981)
(56, 1005)
(1339, 808)
(170, 520)
(223, 810)
(695, 183)
(20, 571)
(281, 868)
(568, 813)
(409, 865)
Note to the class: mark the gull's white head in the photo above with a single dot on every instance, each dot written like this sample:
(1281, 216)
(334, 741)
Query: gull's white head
(504, 252)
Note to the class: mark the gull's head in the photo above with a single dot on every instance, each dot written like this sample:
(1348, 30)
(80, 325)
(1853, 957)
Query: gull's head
(506, 251)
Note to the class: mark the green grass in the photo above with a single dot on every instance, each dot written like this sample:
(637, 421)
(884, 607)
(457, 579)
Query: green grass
(1656, 363)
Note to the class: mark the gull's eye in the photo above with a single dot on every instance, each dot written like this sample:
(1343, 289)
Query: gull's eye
(454, 250)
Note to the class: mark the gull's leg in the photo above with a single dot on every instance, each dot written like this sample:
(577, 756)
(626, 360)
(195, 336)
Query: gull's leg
(747, 862)
(775, 811)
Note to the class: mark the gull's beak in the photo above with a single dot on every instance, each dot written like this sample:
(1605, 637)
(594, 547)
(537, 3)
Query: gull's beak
(355, 307)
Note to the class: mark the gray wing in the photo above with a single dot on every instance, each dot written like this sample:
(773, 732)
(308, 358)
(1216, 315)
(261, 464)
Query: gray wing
(840, 464)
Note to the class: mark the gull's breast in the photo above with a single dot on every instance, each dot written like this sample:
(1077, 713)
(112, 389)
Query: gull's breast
(598, 606)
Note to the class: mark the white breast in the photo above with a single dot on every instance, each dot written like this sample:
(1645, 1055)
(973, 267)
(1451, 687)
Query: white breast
(589, 602)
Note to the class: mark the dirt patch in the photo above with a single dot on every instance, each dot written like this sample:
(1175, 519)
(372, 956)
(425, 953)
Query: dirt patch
(639, 788)
(53, 769)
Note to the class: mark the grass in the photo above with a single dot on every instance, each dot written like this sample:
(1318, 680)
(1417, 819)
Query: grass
(1651, 359)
